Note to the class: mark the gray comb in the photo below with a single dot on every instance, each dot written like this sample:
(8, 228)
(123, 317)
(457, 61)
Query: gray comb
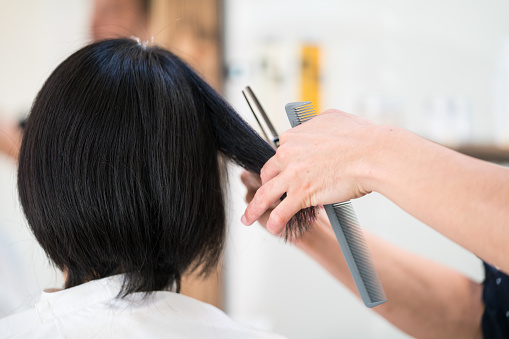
(346, 228)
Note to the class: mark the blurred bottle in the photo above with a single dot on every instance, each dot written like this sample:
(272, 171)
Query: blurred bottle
(501, 96)
(310, 74)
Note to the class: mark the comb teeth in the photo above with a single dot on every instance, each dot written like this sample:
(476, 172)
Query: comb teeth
(300, 112)
(305, 112)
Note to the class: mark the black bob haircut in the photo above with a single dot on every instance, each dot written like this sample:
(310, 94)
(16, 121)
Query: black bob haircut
(121, 171)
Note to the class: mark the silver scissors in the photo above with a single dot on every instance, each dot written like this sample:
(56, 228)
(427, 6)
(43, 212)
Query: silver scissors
(261, 117)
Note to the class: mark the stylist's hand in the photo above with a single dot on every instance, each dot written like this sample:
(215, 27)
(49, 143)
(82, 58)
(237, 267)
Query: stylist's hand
(320, 162)
(253, 182)
(308, 240)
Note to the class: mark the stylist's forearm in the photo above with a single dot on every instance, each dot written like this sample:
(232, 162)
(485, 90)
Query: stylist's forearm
(425, 299)
(461, 197)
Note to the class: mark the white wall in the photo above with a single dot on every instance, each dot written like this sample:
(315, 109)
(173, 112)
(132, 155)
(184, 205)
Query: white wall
(410, 51)
(36, 36)
(413, 53)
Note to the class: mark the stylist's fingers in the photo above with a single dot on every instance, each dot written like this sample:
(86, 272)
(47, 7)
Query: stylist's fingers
(266, 195)
(280, 216)
(251, 180)
(271, 169)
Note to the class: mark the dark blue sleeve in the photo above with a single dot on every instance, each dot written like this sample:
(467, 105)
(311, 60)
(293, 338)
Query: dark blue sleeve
(495, 320)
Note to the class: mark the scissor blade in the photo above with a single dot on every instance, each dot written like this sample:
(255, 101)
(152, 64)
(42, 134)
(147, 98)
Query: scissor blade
(261, 117)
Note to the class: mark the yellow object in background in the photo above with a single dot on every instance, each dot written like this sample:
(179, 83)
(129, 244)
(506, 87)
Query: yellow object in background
(310, 75)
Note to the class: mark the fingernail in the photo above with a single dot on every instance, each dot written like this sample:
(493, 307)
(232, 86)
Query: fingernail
(243, 219)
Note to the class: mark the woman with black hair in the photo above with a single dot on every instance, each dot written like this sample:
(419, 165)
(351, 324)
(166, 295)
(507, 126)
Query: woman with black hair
(121, 180)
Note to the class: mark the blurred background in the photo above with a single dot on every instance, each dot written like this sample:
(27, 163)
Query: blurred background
(438, 68)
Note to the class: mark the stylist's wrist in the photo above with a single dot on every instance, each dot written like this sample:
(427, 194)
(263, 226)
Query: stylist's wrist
(389, 150)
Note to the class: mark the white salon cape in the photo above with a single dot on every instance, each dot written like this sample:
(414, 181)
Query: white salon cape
(92, 310)
(17, 292)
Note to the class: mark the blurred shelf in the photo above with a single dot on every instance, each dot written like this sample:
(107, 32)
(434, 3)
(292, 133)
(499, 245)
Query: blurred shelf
(484, 152)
